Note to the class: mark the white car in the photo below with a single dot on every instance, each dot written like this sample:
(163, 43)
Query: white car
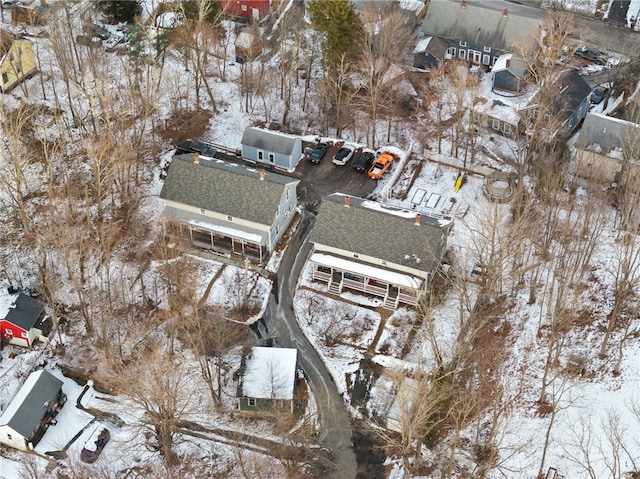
(344, 154)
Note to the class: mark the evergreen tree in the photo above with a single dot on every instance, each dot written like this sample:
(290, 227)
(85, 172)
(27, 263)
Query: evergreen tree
(341, 26)
(211, 9)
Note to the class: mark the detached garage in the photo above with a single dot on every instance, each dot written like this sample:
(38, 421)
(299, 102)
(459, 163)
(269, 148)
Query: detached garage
(271, 148)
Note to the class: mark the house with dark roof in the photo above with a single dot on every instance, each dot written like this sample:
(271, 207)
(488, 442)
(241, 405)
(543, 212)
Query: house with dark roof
(377, 249)
(271, 148)
(430, 53)
(227, 208)
(31, 411)
(268, 378)
(480, 31)
(569, 103)
(608, 150)
(22, 319)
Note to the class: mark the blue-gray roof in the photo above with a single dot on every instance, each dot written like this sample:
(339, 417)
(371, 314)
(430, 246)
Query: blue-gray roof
(481, 22)
(269, 140)
(226, 188)
(26, 312)
(380, 231)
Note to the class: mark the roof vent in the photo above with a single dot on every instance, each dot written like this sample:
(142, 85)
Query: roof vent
(347, 200)
(418, 219)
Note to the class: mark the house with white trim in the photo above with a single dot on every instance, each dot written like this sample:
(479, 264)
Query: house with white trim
(227, 208)
(377, 249)
(271, 148)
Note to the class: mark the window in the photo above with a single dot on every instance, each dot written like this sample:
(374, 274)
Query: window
(18, 68)
(261, 155)
(495, 124)
(476, 56)
(229, 218)
(451, 52)
(495, 59)
(8, 332)
(24, 335)
(5, 78)
(463, 44)
(487, 49)
(244, 8)
(251, 401)
(272, 158)
(506, 128)
(462, 54)
(486, 59)
(11, 57)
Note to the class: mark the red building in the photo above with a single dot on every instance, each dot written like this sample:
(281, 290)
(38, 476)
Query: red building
(22, 319)
(250, 9)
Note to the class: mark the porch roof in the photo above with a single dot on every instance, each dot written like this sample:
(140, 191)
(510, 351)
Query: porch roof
(391, 277)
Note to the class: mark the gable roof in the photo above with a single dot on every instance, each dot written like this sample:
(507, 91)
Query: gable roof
(607, 134)
(381, 231)
(226, 188)
(481, 22)
(269, 140)
(21, 310)
(270, 373)
(574, 90)
(513, 63)
(31, 402)
(436, 46)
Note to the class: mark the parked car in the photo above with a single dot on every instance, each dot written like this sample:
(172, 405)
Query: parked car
(592, 54)
(598, 94)
(382, 164)
(94, 446)
(344, 154)
(318, 152)
(364, 162)
(9, 4)
(195, 146)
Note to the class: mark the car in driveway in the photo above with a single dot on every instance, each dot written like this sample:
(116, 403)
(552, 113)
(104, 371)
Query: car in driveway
(94, 446)
(592, 54)
(344, 154)
(195, 146)
(382, 164)
(598, 94)
(318, 152)
(364, 162)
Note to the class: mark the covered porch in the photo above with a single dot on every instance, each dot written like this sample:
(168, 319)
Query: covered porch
(393, 287)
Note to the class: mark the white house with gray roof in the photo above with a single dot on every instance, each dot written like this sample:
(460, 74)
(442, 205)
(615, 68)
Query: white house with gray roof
(377, 249)
(227, 208)
(271, 148)
(32, 410)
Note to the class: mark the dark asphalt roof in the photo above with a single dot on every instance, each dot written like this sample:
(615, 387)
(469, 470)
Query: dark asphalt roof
(479, 22)
(35, 400)
(269, 140)
(574, 90)
(26, 312)
(225, 188)
(381, 231)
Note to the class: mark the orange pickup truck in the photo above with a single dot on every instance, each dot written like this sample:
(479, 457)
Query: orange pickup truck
(382, 164)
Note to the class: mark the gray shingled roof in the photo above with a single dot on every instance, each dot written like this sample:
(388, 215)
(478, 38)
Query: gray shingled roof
(26, 418)
(479, 22)
(26, 312)
(225, 188)
(268, 140)
(610, 134)
(381, 231)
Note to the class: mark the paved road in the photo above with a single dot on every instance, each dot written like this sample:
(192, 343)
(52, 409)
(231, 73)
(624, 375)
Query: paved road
(334, 418)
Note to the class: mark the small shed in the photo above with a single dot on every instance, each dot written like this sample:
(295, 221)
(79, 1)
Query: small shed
(268, 380)
(430, 52)
(271, 148)
(248, 46)
(509, 73)
(32, 411)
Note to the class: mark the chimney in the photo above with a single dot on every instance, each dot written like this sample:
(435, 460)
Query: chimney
(418, 217)
(505, 12)
(196, 158)
(262, 174)
(508, 62)
(464, 4)
(347, 201)
(559, 83)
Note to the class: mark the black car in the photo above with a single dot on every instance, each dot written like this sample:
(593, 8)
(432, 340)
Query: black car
(364, 161)
(592, 54)
(94, 446)
(195, 146)
(599, 93)
(318, 152)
